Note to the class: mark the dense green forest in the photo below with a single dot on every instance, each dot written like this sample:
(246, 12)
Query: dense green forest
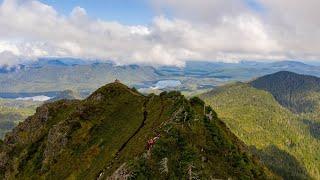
(284, 141)
(299, 93)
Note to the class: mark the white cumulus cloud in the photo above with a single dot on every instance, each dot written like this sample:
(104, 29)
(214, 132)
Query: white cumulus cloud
(216, 30)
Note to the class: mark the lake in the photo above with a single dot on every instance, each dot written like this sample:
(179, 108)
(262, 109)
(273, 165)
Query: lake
(167, 84)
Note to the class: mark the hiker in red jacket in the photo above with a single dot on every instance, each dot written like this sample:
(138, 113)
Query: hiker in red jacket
(152, 141)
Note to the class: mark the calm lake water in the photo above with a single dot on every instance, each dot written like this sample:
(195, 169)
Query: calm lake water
(167, 84)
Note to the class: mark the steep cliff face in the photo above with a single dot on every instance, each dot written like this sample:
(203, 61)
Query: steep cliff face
(119, 133)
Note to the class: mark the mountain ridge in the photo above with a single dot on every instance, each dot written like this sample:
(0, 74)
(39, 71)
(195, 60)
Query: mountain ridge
(118, 132)
(290, 89)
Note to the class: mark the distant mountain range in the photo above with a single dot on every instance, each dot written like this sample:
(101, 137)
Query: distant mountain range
(244, 70)
(58, 74)
(279, 115)
(118, 133)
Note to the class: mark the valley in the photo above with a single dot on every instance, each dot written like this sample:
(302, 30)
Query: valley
(274, 125)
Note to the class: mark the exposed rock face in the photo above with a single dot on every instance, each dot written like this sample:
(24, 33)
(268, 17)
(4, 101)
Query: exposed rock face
(58, 138)
(106, 135)
(122, 173)
(97, 97)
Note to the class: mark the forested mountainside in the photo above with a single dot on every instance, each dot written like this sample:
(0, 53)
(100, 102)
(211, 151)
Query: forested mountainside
(119, 133)
(291, 90)
(285, 142)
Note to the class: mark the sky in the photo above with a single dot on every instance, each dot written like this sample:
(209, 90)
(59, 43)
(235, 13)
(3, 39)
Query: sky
(159, 32)
(129, 12)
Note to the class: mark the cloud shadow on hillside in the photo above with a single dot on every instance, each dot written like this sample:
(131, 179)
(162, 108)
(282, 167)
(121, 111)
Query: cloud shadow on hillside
(314, 128)
(281, 163)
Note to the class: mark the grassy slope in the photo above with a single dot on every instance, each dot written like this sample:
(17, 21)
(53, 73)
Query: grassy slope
(258, 119)
(109, 130)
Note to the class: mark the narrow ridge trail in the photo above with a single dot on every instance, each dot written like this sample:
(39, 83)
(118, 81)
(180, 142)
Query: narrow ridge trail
(145, 117)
